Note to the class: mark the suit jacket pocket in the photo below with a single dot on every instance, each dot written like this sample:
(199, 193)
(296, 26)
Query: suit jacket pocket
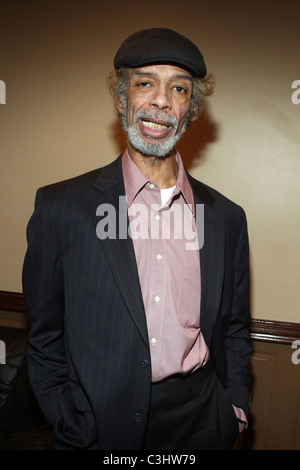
(79, 398)
(73, 429)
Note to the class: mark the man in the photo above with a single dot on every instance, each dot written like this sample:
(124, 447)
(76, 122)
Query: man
(136, 278)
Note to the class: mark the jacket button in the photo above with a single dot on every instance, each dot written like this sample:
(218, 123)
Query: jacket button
(137, 417)
(144, 363)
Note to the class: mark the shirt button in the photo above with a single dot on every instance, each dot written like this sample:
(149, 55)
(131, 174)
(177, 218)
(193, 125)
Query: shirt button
(158, 257)
(157, 216)
(144, 363)
(151, 186)
(153, 340)
(137, 417)
(157, 298)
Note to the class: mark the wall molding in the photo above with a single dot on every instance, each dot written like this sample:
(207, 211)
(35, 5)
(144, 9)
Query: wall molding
(12, 301)
(260, 330)
(274, 331)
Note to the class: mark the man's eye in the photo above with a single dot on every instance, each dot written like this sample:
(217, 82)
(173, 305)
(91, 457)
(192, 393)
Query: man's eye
(144, 84)
(180, 89)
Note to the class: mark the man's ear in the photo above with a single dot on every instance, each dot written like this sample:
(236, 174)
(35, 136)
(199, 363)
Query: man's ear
(119, 105)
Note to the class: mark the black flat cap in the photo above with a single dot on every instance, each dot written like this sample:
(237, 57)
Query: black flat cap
(160, 46)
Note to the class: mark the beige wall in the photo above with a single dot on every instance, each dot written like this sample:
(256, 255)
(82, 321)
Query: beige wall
(58, 119)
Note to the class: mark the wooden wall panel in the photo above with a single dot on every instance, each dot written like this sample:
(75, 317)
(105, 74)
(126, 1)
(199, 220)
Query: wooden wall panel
(297, 430)
(274, 421)
(262, 366)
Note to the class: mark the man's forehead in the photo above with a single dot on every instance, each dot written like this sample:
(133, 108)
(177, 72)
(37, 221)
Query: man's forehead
(163, 70)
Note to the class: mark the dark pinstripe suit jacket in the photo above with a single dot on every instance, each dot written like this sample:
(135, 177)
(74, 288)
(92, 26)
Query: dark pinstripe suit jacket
(89, 358)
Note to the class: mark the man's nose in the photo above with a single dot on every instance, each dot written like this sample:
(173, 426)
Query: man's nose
(161, 98)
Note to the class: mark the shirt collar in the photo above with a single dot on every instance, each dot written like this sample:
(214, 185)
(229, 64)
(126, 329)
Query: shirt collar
(135, 181)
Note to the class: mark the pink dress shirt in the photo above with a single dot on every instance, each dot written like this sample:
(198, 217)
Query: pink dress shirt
(169, 272)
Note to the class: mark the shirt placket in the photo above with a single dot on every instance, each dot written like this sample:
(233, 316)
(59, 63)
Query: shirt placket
(157, 289)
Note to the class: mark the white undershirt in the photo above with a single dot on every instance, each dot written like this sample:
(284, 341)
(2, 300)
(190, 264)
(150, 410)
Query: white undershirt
(166, 194)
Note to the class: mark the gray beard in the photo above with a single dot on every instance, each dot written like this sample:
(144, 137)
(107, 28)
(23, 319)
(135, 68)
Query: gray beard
(148, 147)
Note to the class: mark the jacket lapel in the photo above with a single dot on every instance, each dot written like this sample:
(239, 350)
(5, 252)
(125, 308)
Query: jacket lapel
(211, 260)
(119, 251)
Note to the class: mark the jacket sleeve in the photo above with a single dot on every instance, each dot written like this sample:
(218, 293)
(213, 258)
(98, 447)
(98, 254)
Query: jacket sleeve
(43, 289)
(237, 341)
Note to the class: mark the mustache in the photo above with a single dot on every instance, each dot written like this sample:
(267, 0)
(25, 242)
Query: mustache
(162, 117)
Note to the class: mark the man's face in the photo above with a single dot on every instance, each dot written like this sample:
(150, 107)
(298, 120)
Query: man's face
(157, 102)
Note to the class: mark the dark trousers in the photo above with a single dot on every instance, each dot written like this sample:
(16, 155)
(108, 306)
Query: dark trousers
(192, 413)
